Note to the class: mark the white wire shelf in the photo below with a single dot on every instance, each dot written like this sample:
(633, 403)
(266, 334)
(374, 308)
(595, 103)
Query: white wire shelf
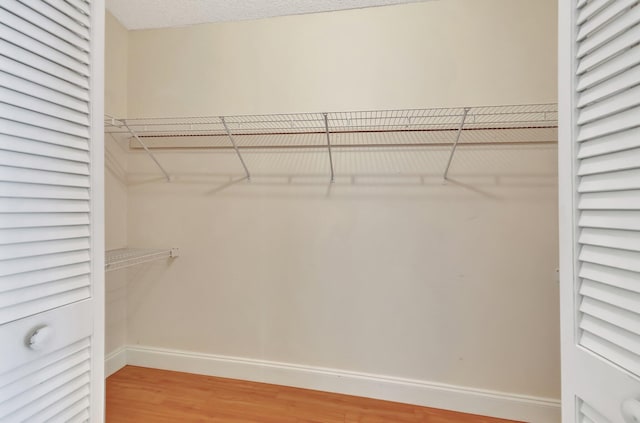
(432, 125)
(126, 257)
(414, 128)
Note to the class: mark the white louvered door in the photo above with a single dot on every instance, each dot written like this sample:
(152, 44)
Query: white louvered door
(599, 91)
(51, 211)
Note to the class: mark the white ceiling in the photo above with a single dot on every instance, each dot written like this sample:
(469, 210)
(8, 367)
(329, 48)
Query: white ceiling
(143, 14)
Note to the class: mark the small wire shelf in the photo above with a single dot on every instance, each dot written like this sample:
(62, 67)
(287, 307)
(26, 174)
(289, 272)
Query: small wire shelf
(126, 257)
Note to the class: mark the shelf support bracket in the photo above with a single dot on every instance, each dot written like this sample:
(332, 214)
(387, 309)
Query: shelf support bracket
(326, 128)
(134, 135)
(235, 146)
(455, 144)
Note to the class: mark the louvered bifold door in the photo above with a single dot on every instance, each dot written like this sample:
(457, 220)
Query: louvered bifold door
(44, 160)
(50, 51)
(608, 133)
(602, 283)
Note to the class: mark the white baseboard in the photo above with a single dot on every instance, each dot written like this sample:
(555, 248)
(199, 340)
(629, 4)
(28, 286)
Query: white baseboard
(428, 394)
(115, 361)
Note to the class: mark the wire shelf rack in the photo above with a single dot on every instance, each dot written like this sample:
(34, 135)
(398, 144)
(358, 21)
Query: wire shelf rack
(433, 124)
(126, 257)
(415, 128)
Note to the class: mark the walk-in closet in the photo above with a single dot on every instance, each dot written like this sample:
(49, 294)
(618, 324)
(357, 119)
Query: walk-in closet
(360, 201)
(319, 211)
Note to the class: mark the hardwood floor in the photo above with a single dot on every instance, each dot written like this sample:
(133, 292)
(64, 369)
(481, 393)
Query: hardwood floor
(142, 395)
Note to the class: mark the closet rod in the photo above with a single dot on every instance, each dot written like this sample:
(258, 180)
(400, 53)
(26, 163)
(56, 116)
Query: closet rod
(210, 133)
(356, 146)
(455, 144)
(235, 147)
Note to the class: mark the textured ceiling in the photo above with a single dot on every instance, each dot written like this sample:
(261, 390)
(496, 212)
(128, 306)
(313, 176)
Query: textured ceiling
(143, 14)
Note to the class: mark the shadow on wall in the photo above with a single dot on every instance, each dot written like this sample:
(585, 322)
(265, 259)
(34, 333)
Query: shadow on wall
(477, 170)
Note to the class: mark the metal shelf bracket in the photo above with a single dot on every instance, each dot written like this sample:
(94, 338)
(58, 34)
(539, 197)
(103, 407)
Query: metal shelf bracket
(134, 135)
(455, 144)
(326, 128)
(235, 146)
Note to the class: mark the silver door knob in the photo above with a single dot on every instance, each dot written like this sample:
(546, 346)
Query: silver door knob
(631, 410)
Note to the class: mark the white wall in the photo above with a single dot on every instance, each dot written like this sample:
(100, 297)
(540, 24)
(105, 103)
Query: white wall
(437, 53)
(115, 182)
(449, 284)
(391, 275)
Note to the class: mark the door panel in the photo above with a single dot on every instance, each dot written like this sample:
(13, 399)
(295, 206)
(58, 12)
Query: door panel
(51, 211)
(34, 184)
(39, 381)
(600, 208)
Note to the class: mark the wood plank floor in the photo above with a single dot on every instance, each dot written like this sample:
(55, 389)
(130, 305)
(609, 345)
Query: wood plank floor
(142, 395)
